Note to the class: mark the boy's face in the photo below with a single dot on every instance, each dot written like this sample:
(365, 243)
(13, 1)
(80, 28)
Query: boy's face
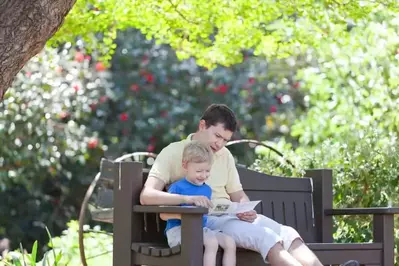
(216, 136)
(197, 173)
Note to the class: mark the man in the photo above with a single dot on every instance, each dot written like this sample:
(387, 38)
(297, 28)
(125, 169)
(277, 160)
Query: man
(278, 244)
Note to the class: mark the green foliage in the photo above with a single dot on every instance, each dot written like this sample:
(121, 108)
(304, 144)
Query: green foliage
(43, 147)
(67, 109)
(365, 172)
(65, 249)
(215, 32)
(98, 245)
(353, 84)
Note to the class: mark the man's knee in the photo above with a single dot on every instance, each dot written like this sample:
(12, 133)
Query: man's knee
(275, 252)
(278, 255)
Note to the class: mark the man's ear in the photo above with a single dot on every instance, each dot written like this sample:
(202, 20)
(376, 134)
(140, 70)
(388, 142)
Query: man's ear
(202, 125)
(184, 164)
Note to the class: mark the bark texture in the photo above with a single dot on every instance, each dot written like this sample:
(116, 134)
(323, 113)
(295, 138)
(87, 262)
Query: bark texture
(25, 27)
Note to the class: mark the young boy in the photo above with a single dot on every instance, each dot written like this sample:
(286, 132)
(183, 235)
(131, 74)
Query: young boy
(197, 162)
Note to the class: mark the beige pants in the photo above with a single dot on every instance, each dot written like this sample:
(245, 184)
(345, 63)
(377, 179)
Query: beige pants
(260, 236)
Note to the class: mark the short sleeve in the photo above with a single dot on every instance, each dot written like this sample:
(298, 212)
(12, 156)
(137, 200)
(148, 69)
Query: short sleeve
(174, 189)
(233, 179)
(162, 167)
(208, 192)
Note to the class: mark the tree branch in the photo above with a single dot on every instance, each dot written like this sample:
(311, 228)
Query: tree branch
(25, 27)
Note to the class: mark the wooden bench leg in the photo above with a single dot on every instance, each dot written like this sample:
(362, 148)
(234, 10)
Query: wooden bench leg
(192, 240)
(383, 232)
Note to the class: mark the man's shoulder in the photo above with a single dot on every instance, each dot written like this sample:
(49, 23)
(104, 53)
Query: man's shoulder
(176, 145)
(225, 153)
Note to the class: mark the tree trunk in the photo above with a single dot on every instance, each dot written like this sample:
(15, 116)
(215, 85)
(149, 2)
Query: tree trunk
(25, 27)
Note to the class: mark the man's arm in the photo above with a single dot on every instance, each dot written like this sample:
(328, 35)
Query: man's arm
(152, 194)
(239, 196)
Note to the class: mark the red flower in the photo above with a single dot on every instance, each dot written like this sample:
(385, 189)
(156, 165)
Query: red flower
(149, 77)
(150, 148)
(134, 87)
(92, 144)
(251, 80)
(88, 57)
(79, 57)
(296, 85)
(221, 89)
(100, 67)
(124, 117)
(93, 106)
(273, 109)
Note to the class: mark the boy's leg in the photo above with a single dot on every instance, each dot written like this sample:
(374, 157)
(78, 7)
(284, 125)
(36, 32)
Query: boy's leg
(229, 248)
(211, 248)
(174, 236)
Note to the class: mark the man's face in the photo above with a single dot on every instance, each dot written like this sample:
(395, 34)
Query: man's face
(216, 136)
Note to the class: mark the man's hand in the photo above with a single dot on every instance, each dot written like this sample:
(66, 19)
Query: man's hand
(249, 216)
(201, 201)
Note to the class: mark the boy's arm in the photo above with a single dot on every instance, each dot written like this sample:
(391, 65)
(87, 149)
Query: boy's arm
(173, 190)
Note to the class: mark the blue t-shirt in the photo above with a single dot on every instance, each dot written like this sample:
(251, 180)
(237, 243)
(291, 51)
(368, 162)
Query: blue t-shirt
(184, 187)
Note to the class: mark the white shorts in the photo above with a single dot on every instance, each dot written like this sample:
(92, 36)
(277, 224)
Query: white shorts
(174, 235)
(259, 236)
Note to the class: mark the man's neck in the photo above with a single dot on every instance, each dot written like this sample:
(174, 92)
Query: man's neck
(194, 136)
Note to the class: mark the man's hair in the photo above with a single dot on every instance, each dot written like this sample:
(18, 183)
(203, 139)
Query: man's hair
(220, 113)
(197, 152)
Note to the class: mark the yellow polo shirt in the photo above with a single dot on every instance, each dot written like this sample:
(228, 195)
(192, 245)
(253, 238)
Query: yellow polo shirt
(223, 179)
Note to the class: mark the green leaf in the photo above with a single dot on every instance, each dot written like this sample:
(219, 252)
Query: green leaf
(33, 254)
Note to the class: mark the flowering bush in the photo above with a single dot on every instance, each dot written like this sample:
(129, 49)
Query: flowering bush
(66, 110)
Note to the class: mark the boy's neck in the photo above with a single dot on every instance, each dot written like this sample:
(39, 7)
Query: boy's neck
(189, 181)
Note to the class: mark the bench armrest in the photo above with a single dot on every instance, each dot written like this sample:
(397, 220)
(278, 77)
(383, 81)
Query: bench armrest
(170, 209)
(362, 211)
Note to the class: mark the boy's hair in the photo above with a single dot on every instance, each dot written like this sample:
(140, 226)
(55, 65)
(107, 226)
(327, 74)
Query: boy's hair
(220, 113)
(197, 152)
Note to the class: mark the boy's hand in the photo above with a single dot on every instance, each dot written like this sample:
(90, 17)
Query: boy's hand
(201, 201)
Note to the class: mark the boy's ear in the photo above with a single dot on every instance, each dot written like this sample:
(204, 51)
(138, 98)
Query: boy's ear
(184, 164)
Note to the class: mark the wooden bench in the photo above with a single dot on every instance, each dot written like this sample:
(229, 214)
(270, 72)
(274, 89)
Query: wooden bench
(303, 203)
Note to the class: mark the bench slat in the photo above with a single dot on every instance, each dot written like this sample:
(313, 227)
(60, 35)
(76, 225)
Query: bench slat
(155, 249)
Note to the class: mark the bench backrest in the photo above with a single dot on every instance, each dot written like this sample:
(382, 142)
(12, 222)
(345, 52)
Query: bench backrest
(284, 199)
(298, 202)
